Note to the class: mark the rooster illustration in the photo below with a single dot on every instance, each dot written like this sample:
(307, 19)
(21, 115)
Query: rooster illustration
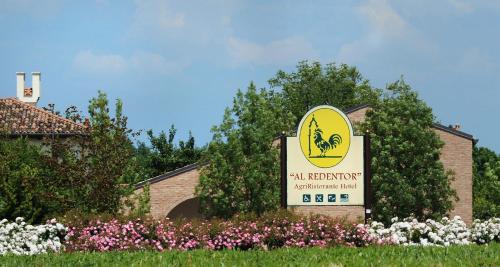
(325, 145)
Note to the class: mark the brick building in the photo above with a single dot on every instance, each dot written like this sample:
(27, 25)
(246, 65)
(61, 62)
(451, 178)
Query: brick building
(173, 193)
(20, 116)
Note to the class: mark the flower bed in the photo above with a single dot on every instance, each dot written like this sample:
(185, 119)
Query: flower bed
(275, 233)
(21, 238)
(265, 233)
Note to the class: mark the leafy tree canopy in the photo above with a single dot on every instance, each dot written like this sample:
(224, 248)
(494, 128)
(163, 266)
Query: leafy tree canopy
(85, 171)
(242, 174)
(166, 156)
(486, 183)
(408, 178)
(312, 84)
(20, 168)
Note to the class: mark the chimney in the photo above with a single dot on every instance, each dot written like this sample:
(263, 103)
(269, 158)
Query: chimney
(20, 84)
(29, 95)
(455, 127)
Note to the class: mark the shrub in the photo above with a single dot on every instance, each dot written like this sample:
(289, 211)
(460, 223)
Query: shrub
(20, 238)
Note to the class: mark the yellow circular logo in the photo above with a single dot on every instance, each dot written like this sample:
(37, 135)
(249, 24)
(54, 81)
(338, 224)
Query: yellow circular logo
(325, 136)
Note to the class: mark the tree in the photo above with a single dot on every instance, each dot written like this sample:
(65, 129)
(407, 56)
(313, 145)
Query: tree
(408, 178)
(312, 85)
(242, 171)
(140, 166)
(486, 183)
(20, 168)
(166, 156)
(86, 170)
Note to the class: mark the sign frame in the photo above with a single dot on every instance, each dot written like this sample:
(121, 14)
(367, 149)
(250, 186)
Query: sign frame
(367, 190)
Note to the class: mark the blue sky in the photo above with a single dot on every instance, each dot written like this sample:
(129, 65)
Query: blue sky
(181, 62)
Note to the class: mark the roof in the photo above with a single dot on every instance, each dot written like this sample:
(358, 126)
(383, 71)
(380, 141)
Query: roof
(436, 125)
(20, 118)
(356, 108)
(167, 175)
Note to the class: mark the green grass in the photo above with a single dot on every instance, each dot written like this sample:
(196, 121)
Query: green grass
(373, 256)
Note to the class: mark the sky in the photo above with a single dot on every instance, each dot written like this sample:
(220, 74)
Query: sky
(181, 62)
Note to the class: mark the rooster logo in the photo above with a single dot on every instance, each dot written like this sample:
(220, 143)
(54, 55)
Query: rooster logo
(322, 144)
(324, 136)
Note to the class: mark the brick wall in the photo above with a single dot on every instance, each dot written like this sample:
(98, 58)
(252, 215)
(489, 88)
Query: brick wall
(456, 156)
(350, 213)
(168, 193)
(358, 115)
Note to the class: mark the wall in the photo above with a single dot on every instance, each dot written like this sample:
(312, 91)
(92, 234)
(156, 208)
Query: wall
(168, 193)
(456, 156)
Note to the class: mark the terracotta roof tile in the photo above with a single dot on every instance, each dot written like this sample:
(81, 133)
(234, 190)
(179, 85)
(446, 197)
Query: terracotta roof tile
(19, 118)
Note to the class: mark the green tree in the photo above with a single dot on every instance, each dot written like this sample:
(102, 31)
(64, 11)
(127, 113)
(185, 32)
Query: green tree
(20, 168)
(140, 166)
(486, 183)
(408, 178)
(86, 170)
(242, 174)
(166, 156)
(312, 84)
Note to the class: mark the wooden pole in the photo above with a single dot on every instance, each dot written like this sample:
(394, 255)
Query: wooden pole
(368, 177)
(283, 170)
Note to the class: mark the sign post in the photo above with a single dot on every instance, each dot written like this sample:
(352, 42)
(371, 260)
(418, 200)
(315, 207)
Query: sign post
(325, 164)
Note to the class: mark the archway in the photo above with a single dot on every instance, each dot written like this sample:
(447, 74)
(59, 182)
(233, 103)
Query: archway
(189, 209)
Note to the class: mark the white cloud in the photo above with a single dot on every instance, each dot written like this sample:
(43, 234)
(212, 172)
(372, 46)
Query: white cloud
(110, 63)
(139, 61)
(157, 14)
(32, 8)
(461, 6)
(383, 19)
(286, 51)
(386, 30)
(151, 62)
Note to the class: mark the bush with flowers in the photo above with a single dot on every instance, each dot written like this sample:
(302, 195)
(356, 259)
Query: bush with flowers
(20, 238)
(282, 229)
(274, 232)
(483, 232)
(411, 232)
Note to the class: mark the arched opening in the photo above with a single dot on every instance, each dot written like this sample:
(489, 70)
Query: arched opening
(188, 209)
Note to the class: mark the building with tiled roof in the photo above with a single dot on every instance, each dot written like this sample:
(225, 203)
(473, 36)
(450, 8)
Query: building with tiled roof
(19, 116)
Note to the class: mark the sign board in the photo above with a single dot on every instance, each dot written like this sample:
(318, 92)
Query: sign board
(325, 162)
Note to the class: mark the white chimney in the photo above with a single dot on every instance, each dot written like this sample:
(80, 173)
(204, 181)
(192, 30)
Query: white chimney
(20, 84)
(29, 95)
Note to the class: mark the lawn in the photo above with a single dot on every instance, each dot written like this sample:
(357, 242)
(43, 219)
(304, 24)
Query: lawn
(472, 255)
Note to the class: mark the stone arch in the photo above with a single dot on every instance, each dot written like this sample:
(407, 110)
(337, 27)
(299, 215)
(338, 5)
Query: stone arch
(172, 191)
(189, 209)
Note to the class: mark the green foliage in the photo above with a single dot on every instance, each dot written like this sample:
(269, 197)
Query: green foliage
(486, 183)
(408, 177)
(141, 203)
(339, 256)
(20, 168)
(161, 157)
(139, 167)
(86, 170)
(312, 85)
(242, 174)
(165, 156)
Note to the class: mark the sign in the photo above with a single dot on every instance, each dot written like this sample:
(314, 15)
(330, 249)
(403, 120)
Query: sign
(325, 162)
